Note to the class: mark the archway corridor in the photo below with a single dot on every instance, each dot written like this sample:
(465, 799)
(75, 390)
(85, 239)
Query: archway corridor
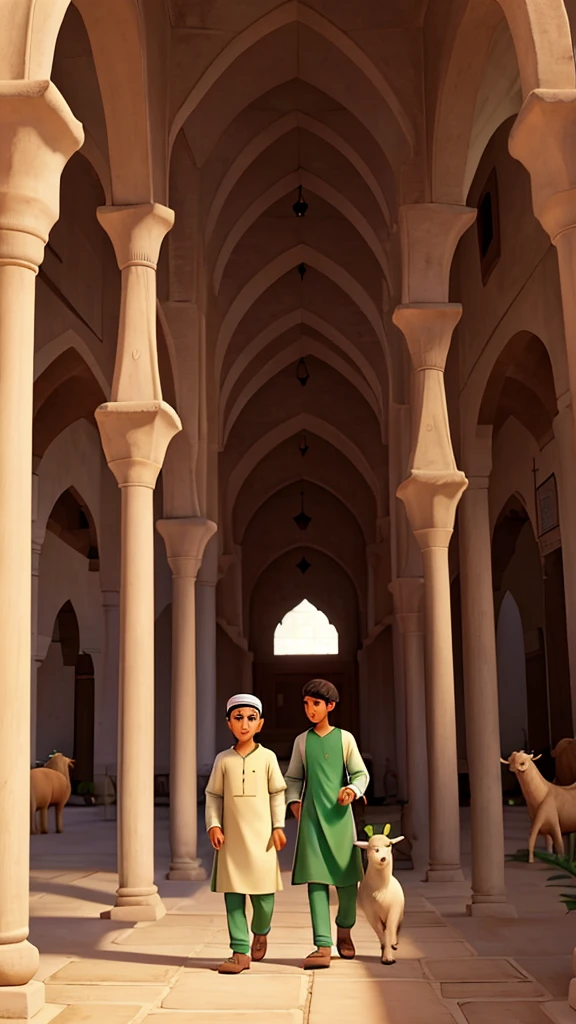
(287, 354)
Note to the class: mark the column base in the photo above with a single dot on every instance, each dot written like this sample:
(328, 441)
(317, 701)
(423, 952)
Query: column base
(20, 1002)
(572, 994)
(187, 871)
(152, 910)
(491, 909)
(448, 874)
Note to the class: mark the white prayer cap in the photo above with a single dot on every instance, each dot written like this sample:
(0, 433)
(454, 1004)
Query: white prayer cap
(244, 700)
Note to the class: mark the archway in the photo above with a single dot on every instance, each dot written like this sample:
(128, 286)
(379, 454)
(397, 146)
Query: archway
(517, 576)
(65, 700)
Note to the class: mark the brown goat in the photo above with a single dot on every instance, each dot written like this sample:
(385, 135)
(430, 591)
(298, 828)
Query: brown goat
(49, 786)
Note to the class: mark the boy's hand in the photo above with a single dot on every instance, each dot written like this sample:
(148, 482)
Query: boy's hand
(346, 796)
(296, 807)
(216, 837)
(279, 839)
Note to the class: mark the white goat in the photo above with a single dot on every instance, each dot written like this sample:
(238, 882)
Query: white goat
(381, 896)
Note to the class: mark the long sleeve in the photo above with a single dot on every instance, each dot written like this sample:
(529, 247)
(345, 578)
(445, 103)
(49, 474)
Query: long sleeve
(276, 789)
(358, 777)
(215, 796)
(295, 774)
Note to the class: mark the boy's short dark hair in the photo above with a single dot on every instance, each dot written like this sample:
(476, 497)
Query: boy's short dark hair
(322, 689)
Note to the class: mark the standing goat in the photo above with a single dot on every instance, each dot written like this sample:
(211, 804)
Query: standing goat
(49, 786)
(552, 808)
(381, 896)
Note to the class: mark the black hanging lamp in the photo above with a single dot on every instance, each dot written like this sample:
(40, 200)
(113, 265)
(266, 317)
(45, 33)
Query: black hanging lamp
(300, 206)
(302, 520)
(301, 268)
(303, 447)
(302, 374)
(303, 565)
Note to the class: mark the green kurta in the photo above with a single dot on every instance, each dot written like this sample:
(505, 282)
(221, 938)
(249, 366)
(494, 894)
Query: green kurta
(324, 849)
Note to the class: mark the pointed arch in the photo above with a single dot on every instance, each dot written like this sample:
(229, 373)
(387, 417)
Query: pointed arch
(276, 269)
(259, 143)
(284, 323)
(278, 362)
(285, 14)
(287, 184)
(313, 425)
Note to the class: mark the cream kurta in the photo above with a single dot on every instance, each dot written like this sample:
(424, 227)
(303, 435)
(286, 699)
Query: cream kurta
(245, 797)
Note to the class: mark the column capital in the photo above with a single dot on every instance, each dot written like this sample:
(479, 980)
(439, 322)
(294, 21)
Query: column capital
(185, 541)
(135, 436)
(543, 138)
(38, 135)
(428, 328)
(136, 232)
(431, 498)
(408, 593)
(429, 234)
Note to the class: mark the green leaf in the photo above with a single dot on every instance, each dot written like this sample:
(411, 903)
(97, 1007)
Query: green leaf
(387, 829)
(369, 830)
(570, 905)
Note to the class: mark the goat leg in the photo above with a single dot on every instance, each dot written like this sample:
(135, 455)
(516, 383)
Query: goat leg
(44, 820)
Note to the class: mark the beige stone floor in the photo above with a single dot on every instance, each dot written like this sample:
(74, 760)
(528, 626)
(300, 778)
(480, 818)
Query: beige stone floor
(450, 967)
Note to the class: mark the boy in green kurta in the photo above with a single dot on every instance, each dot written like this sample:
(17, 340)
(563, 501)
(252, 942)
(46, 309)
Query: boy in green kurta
(326, 773)
(245, 811)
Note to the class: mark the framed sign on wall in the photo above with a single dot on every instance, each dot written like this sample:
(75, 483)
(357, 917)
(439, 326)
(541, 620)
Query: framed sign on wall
(547, 513)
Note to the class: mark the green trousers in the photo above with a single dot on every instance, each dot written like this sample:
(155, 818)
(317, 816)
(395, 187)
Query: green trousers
(262, 907)
(319, 900)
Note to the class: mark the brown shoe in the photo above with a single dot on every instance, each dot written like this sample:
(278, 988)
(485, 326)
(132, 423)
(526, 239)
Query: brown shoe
(237, 963)
(259, 947)
(344, 944)
(319, 959)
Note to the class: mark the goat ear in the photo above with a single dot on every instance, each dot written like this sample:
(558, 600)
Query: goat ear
(397, 840)
(361, 845)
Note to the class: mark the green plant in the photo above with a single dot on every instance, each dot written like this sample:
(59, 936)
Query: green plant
(85, 789)
(566, 864)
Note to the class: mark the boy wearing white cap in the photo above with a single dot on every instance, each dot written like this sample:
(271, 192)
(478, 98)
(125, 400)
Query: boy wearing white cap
(245, 814)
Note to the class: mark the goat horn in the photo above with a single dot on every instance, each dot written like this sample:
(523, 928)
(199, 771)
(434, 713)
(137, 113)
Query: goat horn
(503, 761)
(535, 758)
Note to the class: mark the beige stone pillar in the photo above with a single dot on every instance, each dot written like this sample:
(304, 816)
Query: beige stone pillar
(409, 604)
(481, 690)
(136, 428)
(38, 134)
(429, 235)
(206, 669)
(185, 541)
(106, 716)
(36, 662)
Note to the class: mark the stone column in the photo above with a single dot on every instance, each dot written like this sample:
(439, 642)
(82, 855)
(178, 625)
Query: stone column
(429, 235)
(185, 541)
(206, 673)
(409, 603)
(38, 135)
(106, 737)
(136, 428)
(481, 690)
(35, 665)
(543, 138)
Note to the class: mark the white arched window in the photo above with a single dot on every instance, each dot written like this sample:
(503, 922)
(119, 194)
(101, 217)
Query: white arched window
(305, 630)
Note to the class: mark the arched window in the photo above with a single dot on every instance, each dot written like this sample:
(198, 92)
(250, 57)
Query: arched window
(305, 630)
